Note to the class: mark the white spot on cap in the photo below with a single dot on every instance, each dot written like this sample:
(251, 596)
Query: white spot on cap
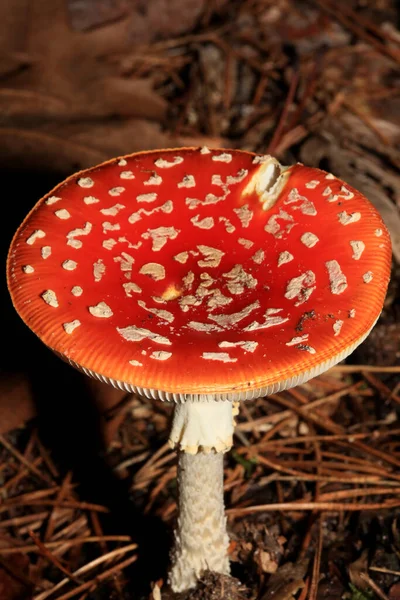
(221, 356)
(52, 200)
(62, 214)
(330, 176)
(301, 287)
(368, 276)
(131, 287)
(69, 265)
(135, 363)
(211, 256)
(206, 223)
(227, 320)
(85, 182)
(258, 257)
(298, 339)
(160, 236)
(153, 270)
(126, 175)
(346, 218)
(165, 315)
(154, 179)
(90, 200)
(182, 257)
(37, 234)
(137, 334)
(284, 257)
(239, 280)
(337, 326)
(309, 239)
(101, 310)
(204, 327)
(228, 225)
(109, 244)
(258, 160)
(337, 279)
(69, 327)
(188, 181)
(247, 346)
(147, 197)
(301, 203)
(311, 185)
(245, 214)
(122, 162)
(113, 210)
(205, 150)
(224, 157)
(45, 251)
(99, 268)
(126, 261)
(116, 191)
(28, 269)
(160, 355)
(278, 229)
(107, 226)
(378, 232)
(268, 322)
(161, 163)
(352, 313)
(246, 243)
(306, 348)
(358, 248)
(50, 298)
(85, 230)
(77, 290)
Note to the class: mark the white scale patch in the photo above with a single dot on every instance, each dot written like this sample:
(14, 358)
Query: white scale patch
(378, 232)
(204, 327)
(206, 223)
(112, 211)
(337, 327)
(205, 150)
(91, 200)
(306, 348)
(161, 163)
(330, 176)
(77, 290)
(160, 236)
(358, 248)
(50, 298)
(135, 363)
(147, 197)
(52, 200)
(352, 313)
(188, 181)
(346, 218)
(284, 257)
(153, 270)
(36, 235)
(109, 244)
(126, 175)
(269, 321)
(220, 356)
(345, 194)
(165, 315)
(69, 265)
(107, 226)
(137, 334)
(71, 326)
(301, 287)
(99, 269)
(166, 208)
(239, 280)
(258, 160)
(192, 203)
(367, 277)
(298, 339)
(311, 185)
(28, 269)
(116, 191)
(224, 157)
(246, 243)
(211, 256)
(182, 257)
(85, 182)
(258, 257)
(229, 227)
(154, 179)
(337, 279)
(101, 310)
(62, 214)
(126, 261)
(130, 288)
(277, 229)
(227, 320)
(45, 252)
(160, 355)
(85, 230)
(309, 239)
(122, 162)
(245, 214)
(247, 346)
(305, 205)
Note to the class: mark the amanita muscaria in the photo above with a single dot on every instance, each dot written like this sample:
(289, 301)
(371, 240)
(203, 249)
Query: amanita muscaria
(201, 277)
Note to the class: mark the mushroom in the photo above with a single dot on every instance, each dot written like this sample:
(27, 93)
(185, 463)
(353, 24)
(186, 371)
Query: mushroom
(204, 278)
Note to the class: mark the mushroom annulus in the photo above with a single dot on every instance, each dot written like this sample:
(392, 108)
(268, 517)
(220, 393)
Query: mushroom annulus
(203, 278)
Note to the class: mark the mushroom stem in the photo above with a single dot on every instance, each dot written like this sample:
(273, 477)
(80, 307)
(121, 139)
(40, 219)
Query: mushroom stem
(201, 540)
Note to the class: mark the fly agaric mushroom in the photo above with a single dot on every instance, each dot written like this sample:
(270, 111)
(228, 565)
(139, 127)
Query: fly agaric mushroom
(201, 277)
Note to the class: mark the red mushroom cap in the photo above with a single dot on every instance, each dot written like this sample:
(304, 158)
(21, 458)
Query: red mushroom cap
(167, 272)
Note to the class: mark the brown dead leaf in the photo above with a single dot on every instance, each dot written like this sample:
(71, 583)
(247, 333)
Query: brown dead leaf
(14, 581)
(356, 571)
(287, 581)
